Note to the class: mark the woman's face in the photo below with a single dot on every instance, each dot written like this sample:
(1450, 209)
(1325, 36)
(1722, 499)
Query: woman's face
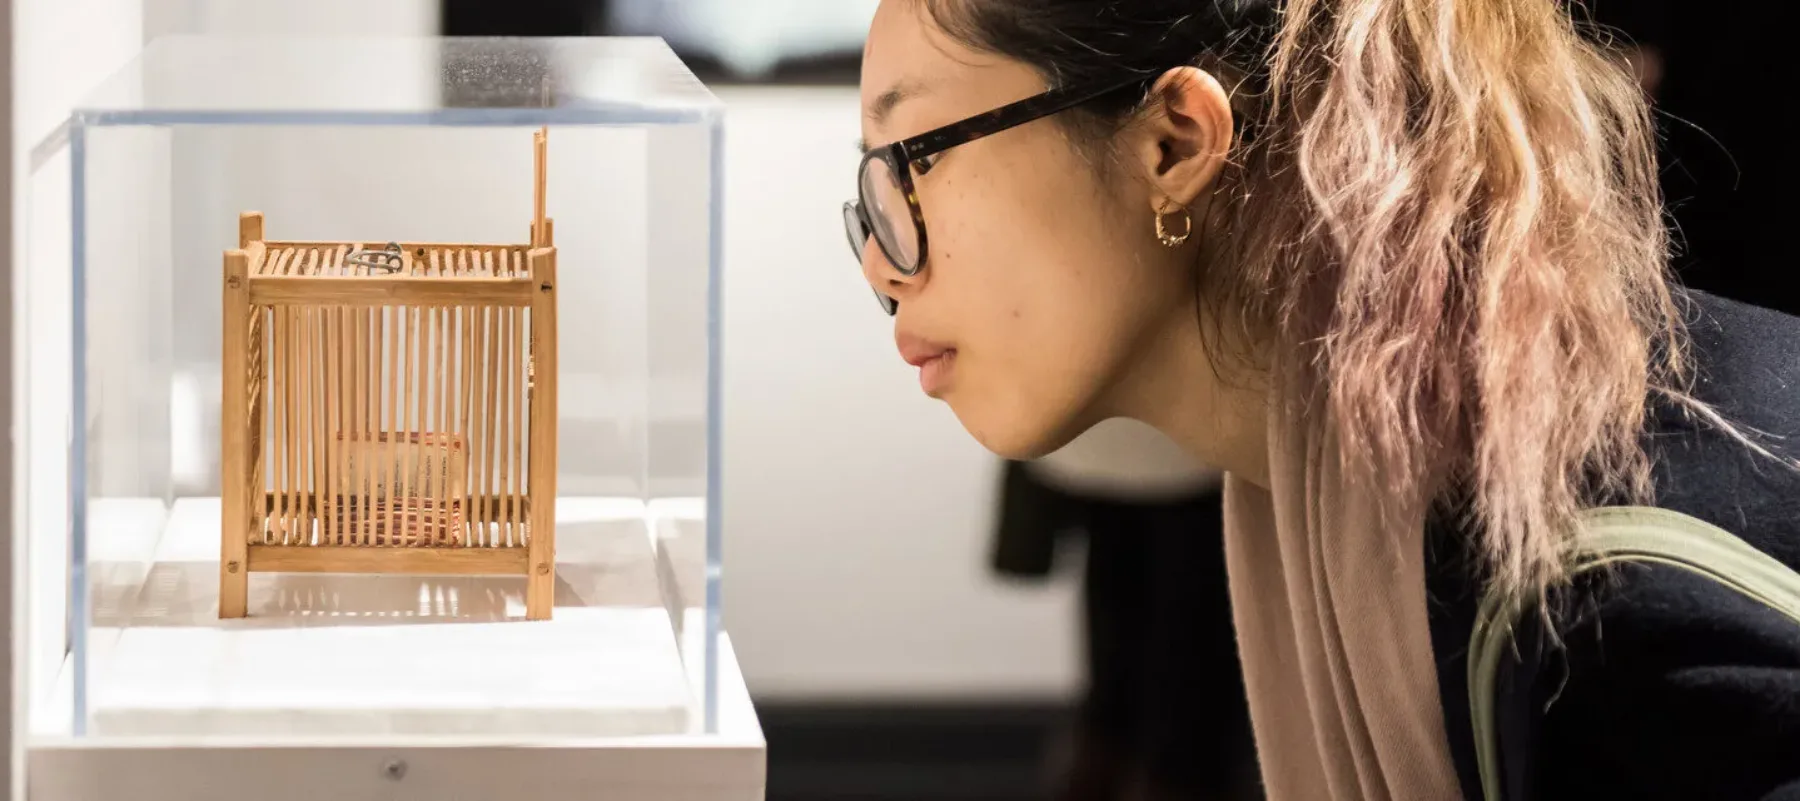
(1045, 292)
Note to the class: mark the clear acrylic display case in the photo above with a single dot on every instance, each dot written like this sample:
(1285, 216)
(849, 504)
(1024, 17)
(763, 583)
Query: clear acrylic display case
(206, 147)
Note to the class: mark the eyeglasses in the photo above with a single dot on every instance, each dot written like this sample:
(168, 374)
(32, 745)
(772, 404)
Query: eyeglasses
(887, 204)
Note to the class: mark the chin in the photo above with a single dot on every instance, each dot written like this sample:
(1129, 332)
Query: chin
(1017, 434)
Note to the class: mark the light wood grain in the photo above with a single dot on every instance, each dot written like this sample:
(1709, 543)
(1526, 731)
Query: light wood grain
(284, 424)
(331, 401)
(291, 378)
(372, 291)
(465, 420)
(411, 247)
(491, 503)
(310, 351)
(367, 406)
(250, 228)
(261, 424)
(446, 488)
(350, 559)
(234, 458)
(516, 377)
(490, 415)
(540, 589)
(540, 144)
(503, 477)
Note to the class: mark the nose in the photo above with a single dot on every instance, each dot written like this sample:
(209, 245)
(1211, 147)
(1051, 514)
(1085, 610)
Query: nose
(892, 285)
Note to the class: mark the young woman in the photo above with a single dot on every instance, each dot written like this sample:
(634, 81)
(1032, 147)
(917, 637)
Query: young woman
(1399, 267)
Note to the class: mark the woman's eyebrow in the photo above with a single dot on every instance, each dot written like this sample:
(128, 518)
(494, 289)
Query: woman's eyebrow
(883, 106)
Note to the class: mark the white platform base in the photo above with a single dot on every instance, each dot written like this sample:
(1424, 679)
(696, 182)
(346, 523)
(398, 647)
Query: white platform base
(360, 688)
(357, 656)
(728, 765)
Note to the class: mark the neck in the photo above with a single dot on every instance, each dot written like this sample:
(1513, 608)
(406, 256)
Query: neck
(1216, 412)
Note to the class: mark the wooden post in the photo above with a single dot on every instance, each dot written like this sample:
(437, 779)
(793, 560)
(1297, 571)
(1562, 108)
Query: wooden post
(235, 484)
(540, 587)
(540, 163)
(250, 228)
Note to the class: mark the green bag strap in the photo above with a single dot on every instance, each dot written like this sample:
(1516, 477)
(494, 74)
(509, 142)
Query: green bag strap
(1623, 534)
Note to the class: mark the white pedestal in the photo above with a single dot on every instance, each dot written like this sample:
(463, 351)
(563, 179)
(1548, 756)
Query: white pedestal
(386, 687)
(727, 765)
(369, 655)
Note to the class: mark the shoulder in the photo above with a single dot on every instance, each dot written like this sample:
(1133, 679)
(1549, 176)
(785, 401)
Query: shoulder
(1747, 368)
(1667, 684)
(1663, 684)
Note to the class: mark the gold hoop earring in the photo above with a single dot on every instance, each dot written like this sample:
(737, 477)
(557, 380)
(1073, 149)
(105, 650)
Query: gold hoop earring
(1174, 240)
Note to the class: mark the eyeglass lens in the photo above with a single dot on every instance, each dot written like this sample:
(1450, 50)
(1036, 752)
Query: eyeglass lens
(889, 214)
(858, 234)
(855, 230)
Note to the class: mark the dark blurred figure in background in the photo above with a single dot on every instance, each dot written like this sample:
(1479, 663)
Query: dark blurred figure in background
(1727, 167)
(523, 17)
(1163, 716)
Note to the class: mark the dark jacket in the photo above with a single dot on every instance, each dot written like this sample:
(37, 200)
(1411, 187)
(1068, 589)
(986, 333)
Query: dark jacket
(1664, 685)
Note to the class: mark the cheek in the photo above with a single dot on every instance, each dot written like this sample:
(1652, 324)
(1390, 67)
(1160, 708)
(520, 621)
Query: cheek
(1040, 373)
(1046, 317)
(1045, 294)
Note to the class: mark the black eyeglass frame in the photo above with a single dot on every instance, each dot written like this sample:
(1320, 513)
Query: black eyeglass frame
(900, 155)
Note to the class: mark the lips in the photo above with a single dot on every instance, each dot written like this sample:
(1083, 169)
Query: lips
(918, 350)
(935, 361)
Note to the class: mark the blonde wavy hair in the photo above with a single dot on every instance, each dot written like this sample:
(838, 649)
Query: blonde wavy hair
(1447, 215)
(1458, 222)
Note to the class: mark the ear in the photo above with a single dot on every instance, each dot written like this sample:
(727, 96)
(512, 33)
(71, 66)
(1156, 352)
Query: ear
(1183, 142)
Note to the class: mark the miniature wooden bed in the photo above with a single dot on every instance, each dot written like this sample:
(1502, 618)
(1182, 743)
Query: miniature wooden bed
(390, 408)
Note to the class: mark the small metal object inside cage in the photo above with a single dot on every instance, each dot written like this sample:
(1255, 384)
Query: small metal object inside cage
(387, 260)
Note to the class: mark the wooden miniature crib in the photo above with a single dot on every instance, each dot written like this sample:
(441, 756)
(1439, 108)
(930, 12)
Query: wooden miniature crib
(390, 408)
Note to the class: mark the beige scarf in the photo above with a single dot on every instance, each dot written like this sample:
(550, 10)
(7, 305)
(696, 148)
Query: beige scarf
(1332, 630)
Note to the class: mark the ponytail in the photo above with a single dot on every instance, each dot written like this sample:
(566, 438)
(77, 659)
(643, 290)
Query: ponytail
(1481, 276)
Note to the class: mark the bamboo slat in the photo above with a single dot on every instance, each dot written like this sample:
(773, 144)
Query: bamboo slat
(516, 376)
(416, 353)
(389, 447)
(309, 357)
(445, 488)
(489, 415)
(503, 421)
(291, 523)
(362, 400)
(258, 420)
(329, 403)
